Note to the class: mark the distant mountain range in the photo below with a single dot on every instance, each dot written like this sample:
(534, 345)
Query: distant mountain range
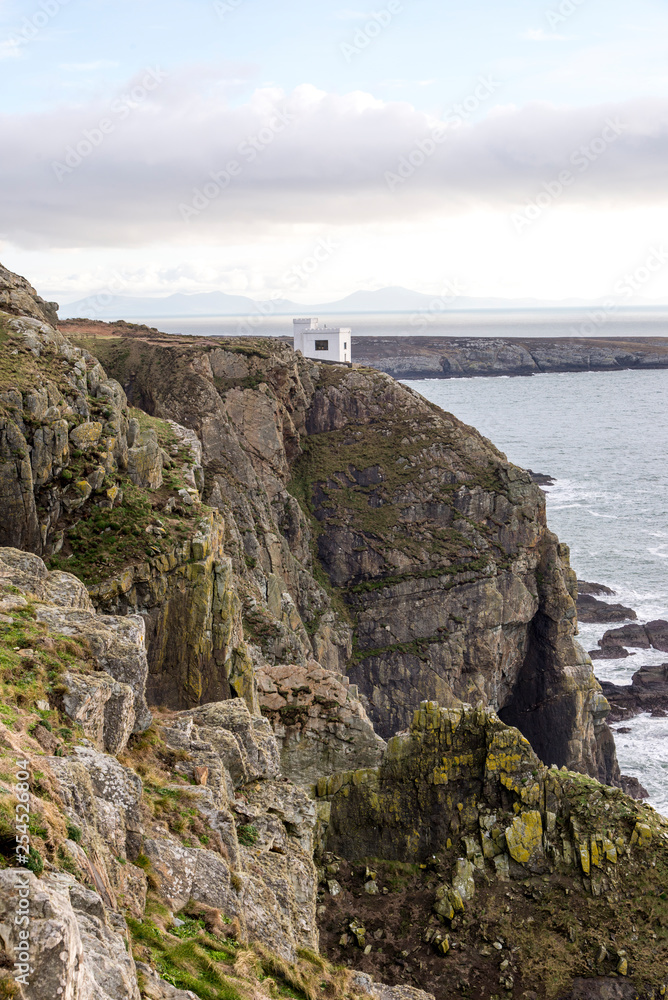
(383, 300)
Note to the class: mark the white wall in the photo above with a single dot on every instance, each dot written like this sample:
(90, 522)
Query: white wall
(338, 344)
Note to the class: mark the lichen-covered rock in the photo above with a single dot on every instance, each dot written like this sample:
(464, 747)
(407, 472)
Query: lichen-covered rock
(118, 645)
(145, 461)
(189, 593)
(78, 949)
(46, 405)
(319, 722)
(524, 836)
(460, 776)
(109, 701)
(104, 708)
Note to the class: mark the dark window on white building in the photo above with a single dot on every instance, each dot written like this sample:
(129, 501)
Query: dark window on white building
(322, 345)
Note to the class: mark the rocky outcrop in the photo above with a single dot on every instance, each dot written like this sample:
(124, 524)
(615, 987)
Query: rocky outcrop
(77, 949)
(320, 725)
(19, 298)
(653, 635)
(647, 692)
(464, 797)
(108, 699)
(593, 611)
(54, 453)
(453, 357)
(362, 520)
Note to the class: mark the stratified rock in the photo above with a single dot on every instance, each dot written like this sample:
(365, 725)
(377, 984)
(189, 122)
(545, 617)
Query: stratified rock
(319, 723)
(445, 579)
(466, 357)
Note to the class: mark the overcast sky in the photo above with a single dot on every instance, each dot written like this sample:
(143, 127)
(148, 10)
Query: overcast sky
(516, 149)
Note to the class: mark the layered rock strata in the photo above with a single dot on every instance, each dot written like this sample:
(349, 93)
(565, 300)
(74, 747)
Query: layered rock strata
(363, 520)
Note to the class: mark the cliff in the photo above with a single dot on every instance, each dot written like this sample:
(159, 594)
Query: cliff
(458, 357)
(226, 570)
(382, 536)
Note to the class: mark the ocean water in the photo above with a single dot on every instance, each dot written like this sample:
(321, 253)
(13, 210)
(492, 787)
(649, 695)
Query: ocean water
(603, 436)
(573, 322)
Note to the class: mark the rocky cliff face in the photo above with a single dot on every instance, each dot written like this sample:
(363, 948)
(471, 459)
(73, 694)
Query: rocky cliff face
(259, 533)
(377, 534)
(134, 820)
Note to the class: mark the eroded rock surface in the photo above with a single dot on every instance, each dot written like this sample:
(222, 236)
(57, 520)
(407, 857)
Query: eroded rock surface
(434, 547)
(319, 722)
(466, 861)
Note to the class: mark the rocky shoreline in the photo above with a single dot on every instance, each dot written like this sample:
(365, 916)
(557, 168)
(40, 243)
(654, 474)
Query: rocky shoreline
(455, 357)
(648, 690)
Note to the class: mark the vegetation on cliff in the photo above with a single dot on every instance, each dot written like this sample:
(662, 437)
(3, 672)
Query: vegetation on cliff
(253, 534)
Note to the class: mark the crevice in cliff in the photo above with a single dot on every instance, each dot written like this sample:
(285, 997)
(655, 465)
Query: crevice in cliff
(546, 718)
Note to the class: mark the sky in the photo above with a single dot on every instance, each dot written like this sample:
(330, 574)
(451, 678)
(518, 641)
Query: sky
(314, 149)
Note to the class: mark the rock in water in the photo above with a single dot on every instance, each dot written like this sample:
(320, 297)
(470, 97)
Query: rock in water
(591, 610)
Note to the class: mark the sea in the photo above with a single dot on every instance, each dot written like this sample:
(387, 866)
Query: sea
(645, 321)
(603, 437)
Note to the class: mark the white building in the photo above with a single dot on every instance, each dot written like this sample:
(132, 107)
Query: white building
(324, 343)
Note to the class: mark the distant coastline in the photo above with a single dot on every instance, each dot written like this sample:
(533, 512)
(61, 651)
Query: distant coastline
(447, 357)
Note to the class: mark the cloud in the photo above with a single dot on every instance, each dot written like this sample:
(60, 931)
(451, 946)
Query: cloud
(306, 157)
(539, 35)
